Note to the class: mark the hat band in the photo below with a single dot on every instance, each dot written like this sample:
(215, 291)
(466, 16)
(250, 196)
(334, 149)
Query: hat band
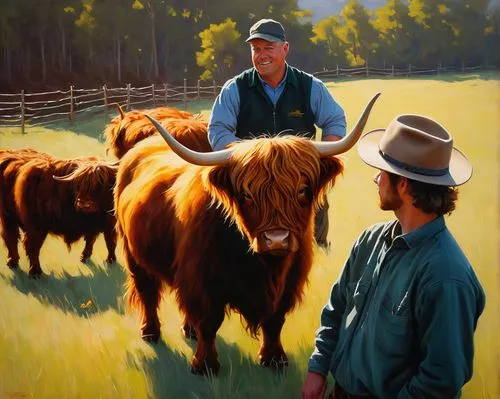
(413, 169)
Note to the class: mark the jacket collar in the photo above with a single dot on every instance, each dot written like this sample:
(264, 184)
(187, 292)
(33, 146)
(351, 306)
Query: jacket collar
(392, 233)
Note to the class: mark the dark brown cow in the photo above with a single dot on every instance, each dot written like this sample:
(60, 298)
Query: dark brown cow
(10, 162)
(234, 233)
(68, 198)
(127, 129)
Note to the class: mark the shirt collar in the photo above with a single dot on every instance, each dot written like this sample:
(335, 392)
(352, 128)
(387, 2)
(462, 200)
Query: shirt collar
(288, 77)
(393, 233)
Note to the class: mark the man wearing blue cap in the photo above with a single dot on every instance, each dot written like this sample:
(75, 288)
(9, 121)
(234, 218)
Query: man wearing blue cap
(273, 97)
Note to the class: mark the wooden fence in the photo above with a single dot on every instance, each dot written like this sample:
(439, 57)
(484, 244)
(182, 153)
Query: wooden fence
(23, 108)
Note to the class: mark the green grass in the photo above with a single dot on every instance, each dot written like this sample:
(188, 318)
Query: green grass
(71, 336)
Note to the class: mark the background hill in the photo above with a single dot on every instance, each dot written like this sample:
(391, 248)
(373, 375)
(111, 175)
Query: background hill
(323, 8)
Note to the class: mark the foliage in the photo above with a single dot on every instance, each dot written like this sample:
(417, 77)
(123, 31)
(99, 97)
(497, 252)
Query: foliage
(55, 43)
(220, 44)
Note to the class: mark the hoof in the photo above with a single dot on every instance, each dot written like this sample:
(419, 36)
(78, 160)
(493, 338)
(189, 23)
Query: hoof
(275, 363)
(205, 369)
(13, 264)
(84, 258)
(151, 334)
(35, 274)
(188, 332)
(151, 338)
(110, 260)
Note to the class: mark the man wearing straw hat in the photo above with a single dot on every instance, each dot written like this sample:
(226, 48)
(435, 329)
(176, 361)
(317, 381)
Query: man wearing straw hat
(274, 97)
(401, 318)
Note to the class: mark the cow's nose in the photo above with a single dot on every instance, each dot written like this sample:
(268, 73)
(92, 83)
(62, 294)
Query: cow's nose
(277, 239)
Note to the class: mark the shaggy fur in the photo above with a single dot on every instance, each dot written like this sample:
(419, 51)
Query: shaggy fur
(32, 200)
(127, 129)
(199, 230)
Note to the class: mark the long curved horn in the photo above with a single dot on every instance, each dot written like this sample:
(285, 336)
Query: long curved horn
(69, 177)
(337, 147)
(120, 110)
(194, 157)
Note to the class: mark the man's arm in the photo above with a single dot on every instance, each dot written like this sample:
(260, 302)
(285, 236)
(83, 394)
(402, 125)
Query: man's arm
(328, 334)
(224, 115)
(329, 115)
(446, 313)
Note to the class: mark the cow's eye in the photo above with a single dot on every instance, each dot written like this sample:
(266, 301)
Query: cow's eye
(303, 194)
(246, 200)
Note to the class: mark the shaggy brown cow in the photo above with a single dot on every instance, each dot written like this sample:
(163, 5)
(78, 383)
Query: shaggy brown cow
(10, 162)
(234, 233)
(68, 198)
(127, 129)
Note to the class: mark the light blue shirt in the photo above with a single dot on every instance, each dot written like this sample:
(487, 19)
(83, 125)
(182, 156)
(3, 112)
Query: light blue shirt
(328, 114)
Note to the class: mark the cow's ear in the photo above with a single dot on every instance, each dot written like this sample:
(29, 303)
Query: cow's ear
(218, 183)
(330, 168)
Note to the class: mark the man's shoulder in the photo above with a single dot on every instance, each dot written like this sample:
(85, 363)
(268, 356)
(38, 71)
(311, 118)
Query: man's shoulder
(373, 233)
(379, 228)
(299, 71)
(247, 73)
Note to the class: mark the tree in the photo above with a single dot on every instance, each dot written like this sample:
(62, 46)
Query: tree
(357, 33)
(8, 36)
(220, 46)
(392, 24)
(326, 35)
(434, 36)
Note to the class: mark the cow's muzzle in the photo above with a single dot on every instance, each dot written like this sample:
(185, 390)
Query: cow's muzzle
(275, 242)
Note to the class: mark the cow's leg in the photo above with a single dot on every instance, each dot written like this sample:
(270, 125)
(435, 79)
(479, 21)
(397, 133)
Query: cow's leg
(110, 238)
(144, 291)
(188, 330)
(10, 235)
(33, 241)
(89, 245)
(271, 353)
(205, 360)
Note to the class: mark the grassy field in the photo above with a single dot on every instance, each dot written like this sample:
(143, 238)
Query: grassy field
(70, 335)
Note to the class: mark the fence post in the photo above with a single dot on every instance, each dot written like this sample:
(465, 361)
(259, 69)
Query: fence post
(105, 94)
(463, 66)
(198, 89)
(367, 69)
(71, 105)
(165, 88)
(153, 92)
(392, 71)
(128, 97)
(215, 88)
(22, 111)
(337, 70)
(409, 69)
(185, 92)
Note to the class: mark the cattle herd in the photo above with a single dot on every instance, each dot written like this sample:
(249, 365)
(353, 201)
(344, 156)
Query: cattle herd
(225, 230)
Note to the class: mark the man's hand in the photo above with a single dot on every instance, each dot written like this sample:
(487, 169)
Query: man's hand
(314, 386)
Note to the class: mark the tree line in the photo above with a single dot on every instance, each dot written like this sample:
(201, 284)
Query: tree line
(57, 43)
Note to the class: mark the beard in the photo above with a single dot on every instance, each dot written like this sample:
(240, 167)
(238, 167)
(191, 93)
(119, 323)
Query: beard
(391, 201)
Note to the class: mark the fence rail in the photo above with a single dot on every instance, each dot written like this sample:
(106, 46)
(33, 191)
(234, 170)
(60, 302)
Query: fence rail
(19, 109)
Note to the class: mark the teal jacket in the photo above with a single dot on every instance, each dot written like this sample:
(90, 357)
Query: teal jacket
(401, 318)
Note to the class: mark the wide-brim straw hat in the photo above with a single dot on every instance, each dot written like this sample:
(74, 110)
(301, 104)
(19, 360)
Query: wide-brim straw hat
(418, 148)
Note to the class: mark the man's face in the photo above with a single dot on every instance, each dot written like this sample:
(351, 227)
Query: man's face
(389, 198)
(268, 57)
